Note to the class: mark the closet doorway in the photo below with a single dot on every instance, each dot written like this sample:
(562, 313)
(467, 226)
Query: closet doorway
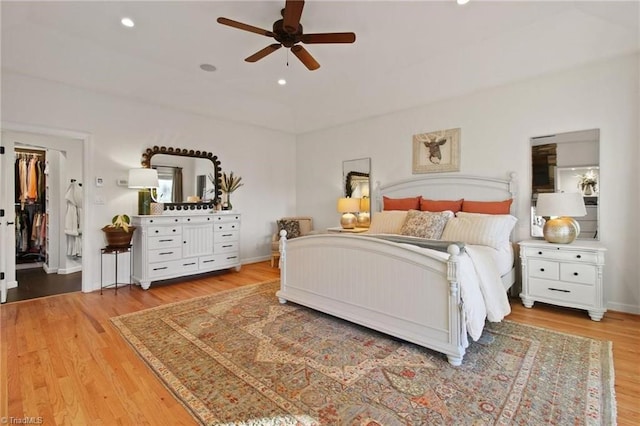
(45, 187)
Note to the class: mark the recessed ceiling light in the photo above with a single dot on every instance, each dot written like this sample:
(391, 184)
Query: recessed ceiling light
(127, 22)
(208, 67)
(282, 82)
(461, 2)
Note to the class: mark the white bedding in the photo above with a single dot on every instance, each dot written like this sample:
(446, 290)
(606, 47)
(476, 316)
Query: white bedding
(483, 295)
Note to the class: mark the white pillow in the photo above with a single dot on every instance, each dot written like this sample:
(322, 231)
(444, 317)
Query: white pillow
(486, 230)
(387, 222)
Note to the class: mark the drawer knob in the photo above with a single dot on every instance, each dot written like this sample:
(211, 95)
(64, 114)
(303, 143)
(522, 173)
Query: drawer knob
(579, 256)
(541, 269)
(157, 231)
(575, 274)
(539, 252)
(559, 289)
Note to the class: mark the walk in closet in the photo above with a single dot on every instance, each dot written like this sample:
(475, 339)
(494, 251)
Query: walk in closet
(30, 208)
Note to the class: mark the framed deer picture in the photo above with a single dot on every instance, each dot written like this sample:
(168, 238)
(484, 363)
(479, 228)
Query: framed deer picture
(437, 151)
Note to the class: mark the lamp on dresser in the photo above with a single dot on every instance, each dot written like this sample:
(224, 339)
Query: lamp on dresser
(561, 208)
(348, 206)
(143, 179)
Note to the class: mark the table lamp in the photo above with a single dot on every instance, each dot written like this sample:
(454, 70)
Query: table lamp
(143, 179)
(348, 206)
(364, 217)
(561, 207)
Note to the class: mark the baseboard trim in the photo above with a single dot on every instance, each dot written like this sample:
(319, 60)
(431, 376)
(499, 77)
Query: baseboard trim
(65, 271)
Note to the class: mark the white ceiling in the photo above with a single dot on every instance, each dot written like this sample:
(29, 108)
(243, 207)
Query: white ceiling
(407, 53)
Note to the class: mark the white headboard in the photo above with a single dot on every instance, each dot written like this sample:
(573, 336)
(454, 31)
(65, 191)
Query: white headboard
(450, 187)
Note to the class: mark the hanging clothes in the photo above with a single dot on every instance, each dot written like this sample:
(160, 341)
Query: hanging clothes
(72, 219)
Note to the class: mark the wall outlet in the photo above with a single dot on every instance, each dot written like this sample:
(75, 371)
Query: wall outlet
(122, 182)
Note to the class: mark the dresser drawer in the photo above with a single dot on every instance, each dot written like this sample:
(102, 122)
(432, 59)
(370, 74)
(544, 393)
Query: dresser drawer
(163, 255)
(562, 291)
(164, 242)
(227, 259)
(158, 220)
(188, 265)
(556, 254)
(578, 273)
(228, 226)
(164, 230)
(198, 219)
(163, 269)
(544, 269)
(224, 236)
(227, 218)
(225, 247)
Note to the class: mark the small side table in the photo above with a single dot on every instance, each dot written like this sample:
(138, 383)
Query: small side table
(115, 251)
(347, 231)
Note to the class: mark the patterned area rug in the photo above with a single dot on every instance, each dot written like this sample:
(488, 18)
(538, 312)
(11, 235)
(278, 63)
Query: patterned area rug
(239, 357)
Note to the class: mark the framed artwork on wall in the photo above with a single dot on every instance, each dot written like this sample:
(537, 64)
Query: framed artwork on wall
(437, 151)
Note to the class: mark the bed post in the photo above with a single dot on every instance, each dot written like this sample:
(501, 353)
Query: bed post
(283, 262)
(455, 305)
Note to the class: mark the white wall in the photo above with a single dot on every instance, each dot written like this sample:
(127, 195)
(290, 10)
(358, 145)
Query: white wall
(120, 130)
(496, 127)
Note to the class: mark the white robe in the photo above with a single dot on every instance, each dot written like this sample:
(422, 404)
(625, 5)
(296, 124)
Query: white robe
(72, 223)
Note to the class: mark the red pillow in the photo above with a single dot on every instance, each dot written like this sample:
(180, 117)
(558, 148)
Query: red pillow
(412, 203)
(487, 207)
(440, 205)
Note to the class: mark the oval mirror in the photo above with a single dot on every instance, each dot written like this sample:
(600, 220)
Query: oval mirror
(185, 175)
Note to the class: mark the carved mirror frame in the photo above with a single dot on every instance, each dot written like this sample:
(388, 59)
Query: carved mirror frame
(217, 173)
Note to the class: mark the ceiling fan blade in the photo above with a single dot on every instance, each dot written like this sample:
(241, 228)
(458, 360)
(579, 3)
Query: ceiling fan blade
(305, 57)
(328, 38)
(246, 27)
(264, 52)
(292, 14)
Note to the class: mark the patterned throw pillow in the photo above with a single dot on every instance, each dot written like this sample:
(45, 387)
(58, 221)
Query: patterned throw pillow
(425, 224)
(291, 226)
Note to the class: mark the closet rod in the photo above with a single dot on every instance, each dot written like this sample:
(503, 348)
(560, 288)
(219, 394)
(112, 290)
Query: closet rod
(34, 150)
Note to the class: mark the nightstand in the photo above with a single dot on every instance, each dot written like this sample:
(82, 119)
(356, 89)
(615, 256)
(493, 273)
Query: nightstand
(351, 231)
(564, 274)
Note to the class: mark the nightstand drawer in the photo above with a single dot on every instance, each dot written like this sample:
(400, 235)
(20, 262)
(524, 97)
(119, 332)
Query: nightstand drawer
(544, 269)
(562, 291)
(555, 254)
(577, 273)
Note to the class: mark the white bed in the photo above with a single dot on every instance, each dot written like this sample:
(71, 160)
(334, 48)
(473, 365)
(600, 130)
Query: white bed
(424, 296)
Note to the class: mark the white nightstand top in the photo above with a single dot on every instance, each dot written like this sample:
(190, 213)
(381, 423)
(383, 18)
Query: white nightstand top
(352, 230)
(575, 245)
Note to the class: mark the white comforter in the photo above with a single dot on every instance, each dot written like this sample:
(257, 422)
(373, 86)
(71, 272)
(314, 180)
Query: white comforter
(483, 295)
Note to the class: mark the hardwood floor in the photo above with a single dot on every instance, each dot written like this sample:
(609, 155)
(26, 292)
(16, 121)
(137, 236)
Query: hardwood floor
(61, 359)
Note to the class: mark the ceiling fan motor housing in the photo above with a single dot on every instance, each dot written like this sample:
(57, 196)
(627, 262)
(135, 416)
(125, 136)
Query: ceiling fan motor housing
(282, 36)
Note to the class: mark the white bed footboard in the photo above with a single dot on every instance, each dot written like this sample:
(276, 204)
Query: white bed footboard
(393, 288)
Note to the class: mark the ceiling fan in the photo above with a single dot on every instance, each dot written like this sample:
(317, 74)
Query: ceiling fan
(288, 33)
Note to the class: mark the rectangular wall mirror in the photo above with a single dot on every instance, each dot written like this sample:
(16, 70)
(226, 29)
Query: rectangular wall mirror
(357, 184)
(567, 162)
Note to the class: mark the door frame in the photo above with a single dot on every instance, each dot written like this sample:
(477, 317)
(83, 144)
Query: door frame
(85, 139)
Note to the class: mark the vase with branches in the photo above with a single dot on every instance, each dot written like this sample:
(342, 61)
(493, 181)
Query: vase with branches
(228, 184)
(587, 182)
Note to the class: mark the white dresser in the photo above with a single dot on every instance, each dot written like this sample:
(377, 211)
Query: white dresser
(564, 274)
(170, 246)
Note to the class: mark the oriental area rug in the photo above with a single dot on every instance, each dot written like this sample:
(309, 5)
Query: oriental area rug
(241, 358)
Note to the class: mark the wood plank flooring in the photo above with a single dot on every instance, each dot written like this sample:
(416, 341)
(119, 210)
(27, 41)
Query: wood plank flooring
(61, 360)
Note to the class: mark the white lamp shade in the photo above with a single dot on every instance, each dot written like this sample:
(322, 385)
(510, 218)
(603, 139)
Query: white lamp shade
(143, 178)
(561, 204)
(348, 205)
